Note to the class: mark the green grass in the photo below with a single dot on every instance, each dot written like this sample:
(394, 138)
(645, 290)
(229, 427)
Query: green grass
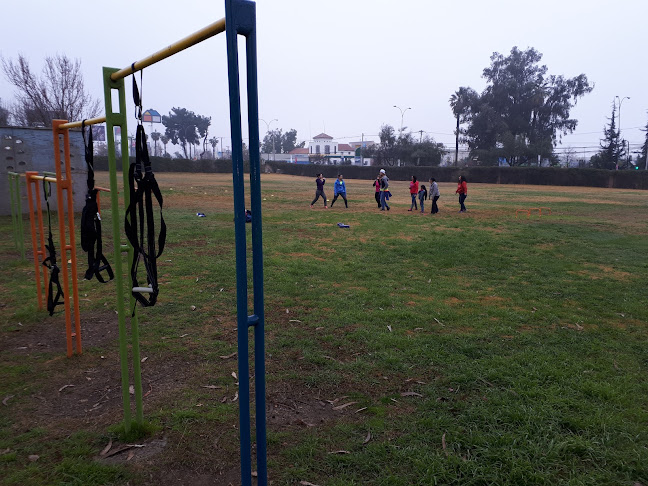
(526, 339)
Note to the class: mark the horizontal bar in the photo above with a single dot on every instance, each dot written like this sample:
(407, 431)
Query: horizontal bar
(89, 121)
(13, 174)
(99, 188)
(43, 178)
(143, 290)
(191, 40)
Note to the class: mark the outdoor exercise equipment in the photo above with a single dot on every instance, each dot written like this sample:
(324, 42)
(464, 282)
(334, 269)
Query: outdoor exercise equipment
(91, 240)
(139, 213)
(16, 213)
(50, 261)
(47, 253)
(240, 19)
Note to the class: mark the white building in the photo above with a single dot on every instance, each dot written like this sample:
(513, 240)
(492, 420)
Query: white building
(324, 148)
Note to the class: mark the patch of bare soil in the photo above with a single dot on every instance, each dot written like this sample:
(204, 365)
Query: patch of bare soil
(49, 334)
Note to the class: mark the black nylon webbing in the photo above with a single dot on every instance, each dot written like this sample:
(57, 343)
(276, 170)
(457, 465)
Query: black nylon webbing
(50, 261)
(139, 222)
(91, 241)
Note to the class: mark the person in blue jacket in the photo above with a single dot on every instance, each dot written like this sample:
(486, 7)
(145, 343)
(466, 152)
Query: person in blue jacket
(339, 189)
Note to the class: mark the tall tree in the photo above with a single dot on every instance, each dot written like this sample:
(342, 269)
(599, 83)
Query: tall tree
(523, 112)
(213, 142)
(641, 160)
(185, 127)
(272, 142)
(289, 141)
(460, 102)
(612, 146)
(404, 148)
(164, 139)
(57, 93)
(4, 114)
(155, 136)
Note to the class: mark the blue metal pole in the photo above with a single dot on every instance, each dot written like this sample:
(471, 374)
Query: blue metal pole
(257, 256)
(240, 238)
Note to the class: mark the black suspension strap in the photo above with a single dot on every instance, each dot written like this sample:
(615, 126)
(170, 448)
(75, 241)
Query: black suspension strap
(139, 222)
(91, 241)
(50, 261)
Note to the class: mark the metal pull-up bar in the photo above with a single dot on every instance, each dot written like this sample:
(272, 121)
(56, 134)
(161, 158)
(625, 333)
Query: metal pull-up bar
(77, 124)
(211, 30)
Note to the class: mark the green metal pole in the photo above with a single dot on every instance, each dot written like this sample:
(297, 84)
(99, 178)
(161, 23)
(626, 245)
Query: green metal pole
(16, 212)
(19, 218)
(119, 120)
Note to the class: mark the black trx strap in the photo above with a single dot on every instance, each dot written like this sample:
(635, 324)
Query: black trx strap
(91, 220)
(50, 261)
(139, 223)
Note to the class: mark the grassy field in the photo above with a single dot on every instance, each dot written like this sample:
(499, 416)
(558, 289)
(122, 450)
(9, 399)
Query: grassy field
(409, 349)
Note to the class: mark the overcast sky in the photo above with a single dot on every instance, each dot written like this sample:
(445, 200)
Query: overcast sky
(340, 66)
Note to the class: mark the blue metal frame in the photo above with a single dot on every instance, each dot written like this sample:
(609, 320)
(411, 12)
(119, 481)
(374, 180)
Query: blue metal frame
(240, 19)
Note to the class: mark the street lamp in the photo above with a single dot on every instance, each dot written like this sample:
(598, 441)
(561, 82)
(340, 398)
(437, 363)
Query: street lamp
(402, 115)
(620, 103)
(272, 136)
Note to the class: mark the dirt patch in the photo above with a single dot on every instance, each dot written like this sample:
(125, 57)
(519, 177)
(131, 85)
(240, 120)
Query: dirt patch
(452, 301)
(49, 335)
(448, 228)
(612, 273)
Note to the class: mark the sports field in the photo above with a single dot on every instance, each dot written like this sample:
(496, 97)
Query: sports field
(408, 349)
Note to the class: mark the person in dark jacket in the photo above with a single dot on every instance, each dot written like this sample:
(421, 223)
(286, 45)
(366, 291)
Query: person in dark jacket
(320, 181)
(376, 185)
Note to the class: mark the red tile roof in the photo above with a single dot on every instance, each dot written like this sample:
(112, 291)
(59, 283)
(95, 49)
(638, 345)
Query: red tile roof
(298, 151)
(343, 147)
(322, 135)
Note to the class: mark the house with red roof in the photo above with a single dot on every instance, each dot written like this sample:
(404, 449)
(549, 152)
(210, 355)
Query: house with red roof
(324, 149)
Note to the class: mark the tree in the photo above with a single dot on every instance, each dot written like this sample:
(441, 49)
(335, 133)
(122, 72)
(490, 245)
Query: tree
(612, 146)
(272, 142)
(641, 160)
(404, 149)
(523, 112)
(155, 136)
(460, 102)
(185, 127)
(164, 139)
(289, 141)
(4, 115)
(58, 93)
(214, 142)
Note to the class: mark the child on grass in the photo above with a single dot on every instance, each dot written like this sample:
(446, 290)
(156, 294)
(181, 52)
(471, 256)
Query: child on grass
(422, 195)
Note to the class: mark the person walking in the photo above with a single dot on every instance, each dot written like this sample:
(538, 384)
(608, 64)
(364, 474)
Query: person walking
(434, 195)
(462, 190)
(384, 190)
(320, 181)
(414, 189)
(422, 195)
(339, 189)
(377, 191)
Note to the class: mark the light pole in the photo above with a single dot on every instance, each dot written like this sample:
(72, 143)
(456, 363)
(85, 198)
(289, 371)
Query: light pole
(402, 115)
(620, 103)
(272, 136)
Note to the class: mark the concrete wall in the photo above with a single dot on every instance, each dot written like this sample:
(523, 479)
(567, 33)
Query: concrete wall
(25, 149)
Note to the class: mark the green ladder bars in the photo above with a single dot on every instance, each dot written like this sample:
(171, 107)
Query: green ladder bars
(16, 212)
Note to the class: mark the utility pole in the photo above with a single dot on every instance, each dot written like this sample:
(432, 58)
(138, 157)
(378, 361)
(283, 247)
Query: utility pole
(361, 152)
(418, 159)
(420, 135)
(457, 143)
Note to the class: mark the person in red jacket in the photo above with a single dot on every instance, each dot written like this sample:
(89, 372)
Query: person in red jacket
(462, 190)
(414, 189)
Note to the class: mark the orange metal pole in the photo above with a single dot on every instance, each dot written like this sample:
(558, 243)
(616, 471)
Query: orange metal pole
(32, 224)
(70, 213)
(65, 184)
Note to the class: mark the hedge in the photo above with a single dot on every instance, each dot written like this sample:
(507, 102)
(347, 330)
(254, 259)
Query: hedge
(550, 176)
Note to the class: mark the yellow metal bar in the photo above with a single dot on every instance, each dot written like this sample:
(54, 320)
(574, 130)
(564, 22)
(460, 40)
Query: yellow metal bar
(211, 30)
(77, 124)
(43, 178)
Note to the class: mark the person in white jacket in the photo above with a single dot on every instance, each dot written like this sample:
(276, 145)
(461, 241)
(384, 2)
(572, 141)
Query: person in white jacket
(434, 194)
